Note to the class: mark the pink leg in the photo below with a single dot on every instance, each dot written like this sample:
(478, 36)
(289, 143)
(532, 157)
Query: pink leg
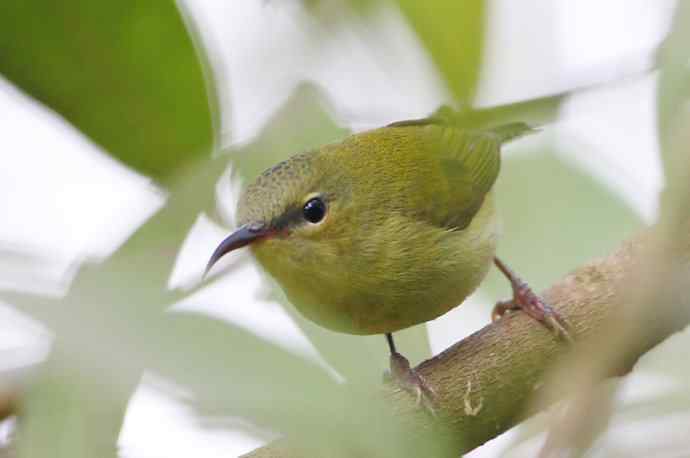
(526, 300)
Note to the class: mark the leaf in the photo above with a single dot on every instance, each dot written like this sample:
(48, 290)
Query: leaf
(124, 72)
(302, 123)
(554, 218)
(673, 113)
(227, 369)
(69, 415)
(127, 74)
(535, 112)
(120, 300)
(360, 6)
(453, 33)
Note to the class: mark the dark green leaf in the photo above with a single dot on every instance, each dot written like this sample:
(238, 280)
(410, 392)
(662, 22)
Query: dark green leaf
(124, 72)
(453, 33)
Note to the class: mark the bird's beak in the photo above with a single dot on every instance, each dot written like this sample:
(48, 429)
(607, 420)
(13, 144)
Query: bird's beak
(241, 237)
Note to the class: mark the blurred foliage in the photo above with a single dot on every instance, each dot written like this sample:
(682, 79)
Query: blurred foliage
(453, 33)
(361, 6)
(303, 122)
(673, 117)
(126, 73)
(544, 235)
(668, 402)
(535, 112)
(108, 329)
(227, 369)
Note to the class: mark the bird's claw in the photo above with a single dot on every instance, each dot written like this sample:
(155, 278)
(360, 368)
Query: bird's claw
(411, 381)
(555, 322)
(526, 300)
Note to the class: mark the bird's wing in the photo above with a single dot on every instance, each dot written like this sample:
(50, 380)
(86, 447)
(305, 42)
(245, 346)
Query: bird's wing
(470, 161)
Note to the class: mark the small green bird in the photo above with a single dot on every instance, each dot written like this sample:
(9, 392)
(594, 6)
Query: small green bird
(385, 230)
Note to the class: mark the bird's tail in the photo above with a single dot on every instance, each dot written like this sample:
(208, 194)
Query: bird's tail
(508, 132)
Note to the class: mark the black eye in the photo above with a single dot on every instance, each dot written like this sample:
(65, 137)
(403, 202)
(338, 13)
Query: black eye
(314, 210)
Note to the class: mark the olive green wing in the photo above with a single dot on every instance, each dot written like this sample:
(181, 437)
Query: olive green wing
(470, 161)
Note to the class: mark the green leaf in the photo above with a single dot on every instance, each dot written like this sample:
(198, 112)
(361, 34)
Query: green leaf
(535, 112)
(453, 33)
(673, 114)
(68, 414)
(360, 6)
(120, 300)
(554, 218)
(126, 73)
(302, 123)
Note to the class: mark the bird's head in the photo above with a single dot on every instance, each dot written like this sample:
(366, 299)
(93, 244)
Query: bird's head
(289, 213)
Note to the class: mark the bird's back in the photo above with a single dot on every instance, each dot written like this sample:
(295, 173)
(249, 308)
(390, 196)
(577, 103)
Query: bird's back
(435, 172)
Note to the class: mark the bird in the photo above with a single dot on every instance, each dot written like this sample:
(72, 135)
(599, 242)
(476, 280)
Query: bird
(386, 229)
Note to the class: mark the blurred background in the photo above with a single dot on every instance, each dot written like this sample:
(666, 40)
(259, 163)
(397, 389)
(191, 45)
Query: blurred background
(128, 129)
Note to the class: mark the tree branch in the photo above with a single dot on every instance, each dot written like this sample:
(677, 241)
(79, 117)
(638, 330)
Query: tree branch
(486, 380)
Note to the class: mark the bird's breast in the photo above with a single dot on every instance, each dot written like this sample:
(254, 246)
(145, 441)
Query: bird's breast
(402, 273)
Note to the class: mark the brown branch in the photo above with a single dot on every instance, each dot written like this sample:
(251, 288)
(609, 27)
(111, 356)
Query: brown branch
(485, 381)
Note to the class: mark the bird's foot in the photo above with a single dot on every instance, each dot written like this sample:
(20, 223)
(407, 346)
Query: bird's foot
(529, 302)
(537, 309)
(411, 381)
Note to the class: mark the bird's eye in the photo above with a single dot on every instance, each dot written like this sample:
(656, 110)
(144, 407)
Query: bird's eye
(314, 210)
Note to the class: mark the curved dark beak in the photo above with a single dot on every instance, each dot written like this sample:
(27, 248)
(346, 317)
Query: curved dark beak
(241, 237)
